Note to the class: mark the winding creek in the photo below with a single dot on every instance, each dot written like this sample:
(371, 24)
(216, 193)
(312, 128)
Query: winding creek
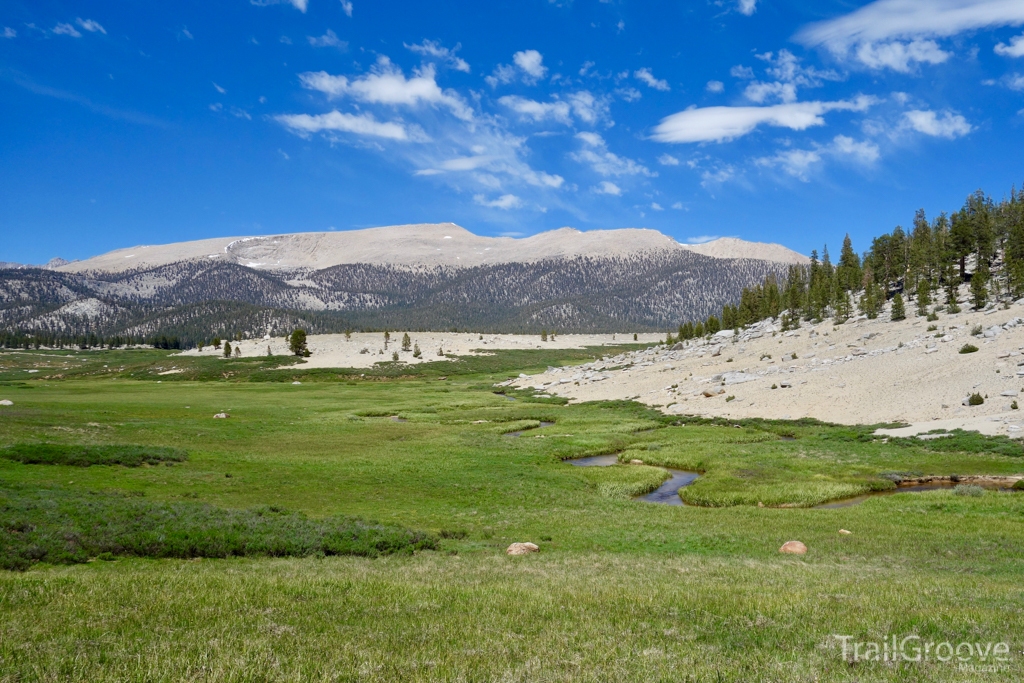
(668, 492)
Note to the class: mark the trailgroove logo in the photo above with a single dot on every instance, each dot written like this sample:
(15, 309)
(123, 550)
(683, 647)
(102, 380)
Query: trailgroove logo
(977, 657)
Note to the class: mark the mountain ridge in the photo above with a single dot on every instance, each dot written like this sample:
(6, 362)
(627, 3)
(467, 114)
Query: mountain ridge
(424, 244)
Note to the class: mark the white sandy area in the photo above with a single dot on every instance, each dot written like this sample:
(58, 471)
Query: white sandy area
(334, 351)
(861, 372)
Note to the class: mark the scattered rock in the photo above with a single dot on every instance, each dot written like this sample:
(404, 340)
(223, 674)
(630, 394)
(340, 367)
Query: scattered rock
(296, 383)
(5, 402)
(221, 416)
(793, 548)
(946, 338)
(785, 385)
(634, 461)
(1009, 394)
(844, 532)
(522, 549)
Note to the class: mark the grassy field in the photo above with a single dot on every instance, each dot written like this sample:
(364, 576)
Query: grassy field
(621, 590)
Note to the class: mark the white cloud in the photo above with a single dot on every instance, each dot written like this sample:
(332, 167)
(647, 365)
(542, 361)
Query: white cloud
(901, 57)
(297, 4)
(702, 239)
(668, 160)
(595, 154)
(504, 202)
(678, 206)
(90, 25)
(874, 31)
(186, 34)
(647, 77)
(66, 30)
(715, 86)
(346, 7)
(1014, 81)
(9, 32)
(656, 206)
(747, 7)
(720, 124)
(587, 66)
(948, 125)
(1014, 49)
(538, 111)
(531, 62)
(430, 48)
(607, 187)
(741, 72)
(219, 89)
(588, 108)
(329, 39)
(358, 124)
(865, 152)
(795, 162)
(788, 73)
(629, 94)
(386, 84)
(717, 176)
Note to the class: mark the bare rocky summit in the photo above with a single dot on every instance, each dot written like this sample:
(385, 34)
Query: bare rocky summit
(440, 244)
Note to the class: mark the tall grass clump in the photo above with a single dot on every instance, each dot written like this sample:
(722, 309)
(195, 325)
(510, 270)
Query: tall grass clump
(84, 456)
(66, 527)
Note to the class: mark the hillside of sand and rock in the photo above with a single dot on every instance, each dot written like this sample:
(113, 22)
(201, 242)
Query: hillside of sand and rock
(860, 372)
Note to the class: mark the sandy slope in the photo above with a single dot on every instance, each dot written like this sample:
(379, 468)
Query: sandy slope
(861, 372)
(425, 244)
(334, 351)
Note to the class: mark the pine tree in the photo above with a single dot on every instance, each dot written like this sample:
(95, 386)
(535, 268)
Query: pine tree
(899, 311)
(406, 342)
(979, 290)
(848, 271)
(227, 349)
(544, 335)
(924, 298)
(297, 343)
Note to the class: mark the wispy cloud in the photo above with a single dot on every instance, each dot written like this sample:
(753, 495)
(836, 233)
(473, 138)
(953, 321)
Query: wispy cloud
(386, 84)
(297, 4)
(595, 154)
(529, 66)
(702, 239)
(668, 160)
(644, 75)
(608, 187)
(1014, 49)
(896, 34)
(346, 7)
(747, 7)
(66, 30)
(946, 124)
(358, 124)
(715, 86)
(720, 124)
(430, 48)
(328, 39)
(504, 202)
(91, 26)
(9, 32)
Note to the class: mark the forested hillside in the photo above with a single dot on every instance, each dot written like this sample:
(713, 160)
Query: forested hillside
(920, 270)
(185, 303)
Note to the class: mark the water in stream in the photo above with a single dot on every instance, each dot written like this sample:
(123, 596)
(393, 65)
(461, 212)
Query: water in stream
(666, 494)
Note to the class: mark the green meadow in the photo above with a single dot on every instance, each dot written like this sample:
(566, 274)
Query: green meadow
(353, 527)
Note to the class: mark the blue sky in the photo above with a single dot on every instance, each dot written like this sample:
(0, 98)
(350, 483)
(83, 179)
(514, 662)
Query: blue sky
(773, 120)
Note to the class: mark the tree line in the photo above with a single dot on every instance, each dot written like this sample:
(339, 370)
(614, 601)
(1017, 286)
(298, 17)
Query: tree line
(981, 245)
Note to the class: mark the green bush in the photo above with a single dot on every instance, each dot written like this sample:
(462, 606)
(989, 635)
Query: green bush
(84, 456)
(968, 490)
(975, 400)
(68, 527)
(1018, 485)
(968, 348)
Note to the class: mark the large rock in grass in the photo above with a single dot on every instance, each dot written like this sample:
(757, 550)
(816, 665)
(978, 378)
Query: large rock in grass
(793, 548)
(522, 549)
(221, 416)
(5, 402)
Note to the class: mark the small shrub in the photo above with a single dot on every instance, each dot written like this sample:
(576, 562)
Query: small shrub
(976, 331)
(775, 386)
(968, 348)
(1013, 405)
(394, 355)
(932, 328)
(730, 398)
(975, 400)
(932, 316)
(968, 490)
(1018, 485)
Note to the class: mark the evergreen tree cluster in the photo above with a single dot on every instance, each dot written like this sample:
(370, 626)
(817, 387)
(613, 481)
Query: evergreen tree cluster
(982, 245)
